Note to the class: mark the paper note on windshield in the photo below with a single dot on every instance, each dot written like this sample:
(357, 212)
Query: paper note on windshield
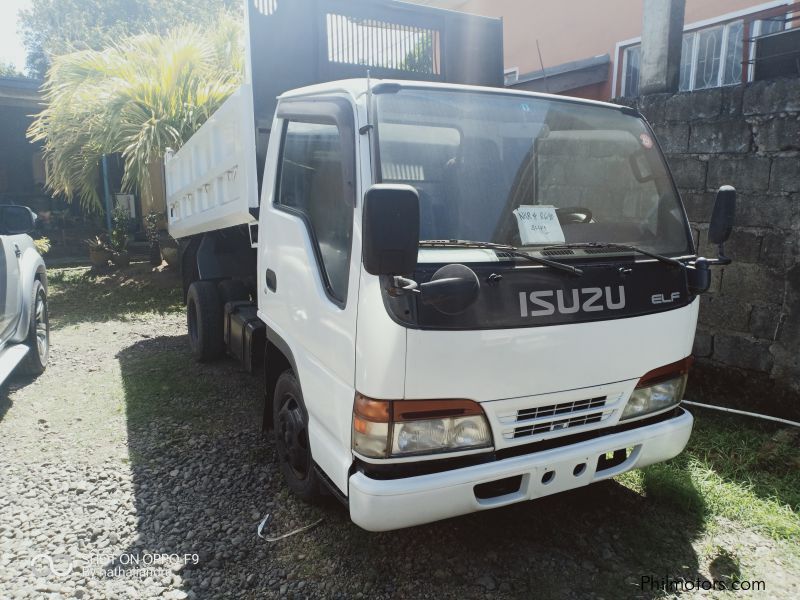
(538, 225)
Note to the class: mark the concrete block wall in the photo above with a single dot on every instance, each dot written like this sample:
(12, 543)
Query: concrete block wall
(748, 340)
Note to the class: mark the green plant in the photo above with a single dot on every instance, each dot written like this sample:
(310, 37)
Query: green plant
(43, 245)
(120, 225)
(151, 222)
(137, 98)
(97, 243)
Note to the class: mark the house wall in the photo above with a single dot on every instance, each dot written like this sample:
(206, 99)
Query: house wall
(748, 342)
(578, 29)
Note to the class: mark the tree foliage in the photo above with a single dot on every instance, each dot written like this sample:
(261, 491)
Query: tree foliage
(53, 27)
(138, 97)
(8, 69)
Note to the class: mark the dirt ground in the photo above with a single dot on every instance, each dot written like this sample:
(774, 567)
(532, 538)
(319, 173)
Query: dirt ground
(128, 471)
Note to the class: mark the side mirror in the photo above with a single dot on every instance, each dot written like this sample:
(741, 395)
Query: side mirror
(15, 220)
(719, 230)
(723, 216)
(390, 229)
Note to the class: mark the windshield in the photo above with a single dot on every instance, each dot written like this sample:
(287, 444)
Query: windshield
(526, 171)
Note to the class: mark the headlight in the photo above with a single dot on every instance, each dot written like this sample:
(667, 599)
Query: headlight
(406, 427)
(437, 435)
(659, 390)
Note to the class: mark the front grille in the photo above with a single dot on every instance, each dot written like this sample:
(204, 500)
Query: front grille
(557, 425)
(557, 417)
(559, 409)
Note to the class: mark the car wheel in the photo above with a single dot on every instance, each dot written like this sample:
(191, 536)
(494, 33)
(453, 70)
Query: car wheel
(291, 438)
(204, 321)
(38, 340)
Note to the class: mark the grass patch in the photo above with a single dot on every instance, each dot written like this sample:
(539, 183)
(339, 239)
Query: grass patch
(80, 294)
(735, 468)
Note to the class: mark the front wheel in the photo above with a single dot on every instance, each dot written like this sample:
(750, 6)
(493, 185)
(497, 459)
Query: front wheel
(38, 340)
(291, 438)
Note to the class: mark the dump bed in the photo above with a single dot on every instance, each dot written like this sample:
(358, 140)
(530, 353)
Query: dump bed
(213, 181)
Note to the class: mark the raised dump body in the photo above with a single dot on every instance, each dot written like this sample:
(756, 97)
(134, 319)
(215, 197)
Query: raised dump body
(214, 181)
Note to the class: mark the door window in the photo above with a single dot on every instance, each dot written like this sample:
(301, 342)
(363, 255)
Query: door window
(312, 185)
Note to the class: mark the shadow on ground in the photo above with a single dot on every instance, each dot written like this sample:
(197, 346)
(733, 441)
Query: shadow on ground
(5, 400)
(204, 476)
(81, 295)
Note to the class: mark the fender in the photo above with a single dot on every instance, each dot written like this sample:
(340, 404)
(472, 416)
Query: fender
(31, 265)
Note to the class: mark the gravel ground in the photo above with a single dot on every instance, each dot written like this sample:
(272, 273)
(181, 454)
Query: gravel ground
(138, 474)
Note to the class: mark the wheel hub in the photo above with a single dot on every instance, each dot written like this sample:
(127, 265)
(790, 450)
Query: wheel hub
(42, 327)
(292, 429)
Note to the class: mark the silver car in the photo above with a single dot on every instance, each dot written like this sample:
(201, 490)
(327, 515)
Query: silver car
(24, 323)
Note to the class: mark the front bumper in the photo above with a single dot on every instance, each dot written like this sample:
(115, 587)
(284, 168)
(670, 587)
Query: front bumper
(383, 505)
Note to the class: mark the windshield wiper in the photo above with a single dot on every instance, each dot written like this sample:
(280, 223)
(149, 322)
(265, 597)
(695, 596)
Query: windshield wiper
(659, 257)
(512, 250)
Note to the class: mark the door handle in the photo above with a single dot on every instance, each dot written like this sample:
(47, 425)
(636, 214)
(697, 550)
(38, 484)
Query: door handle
(272, 280)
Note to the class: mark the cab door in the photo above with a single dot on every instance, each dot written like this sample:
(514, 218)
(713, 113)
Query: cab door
(10, 292)
(309, 261)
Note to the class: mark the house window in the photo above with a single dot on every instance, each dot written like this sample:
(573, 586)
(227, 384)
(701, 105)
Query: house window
(630, 84)
(687, 50)
(761, 28)
(710, 57)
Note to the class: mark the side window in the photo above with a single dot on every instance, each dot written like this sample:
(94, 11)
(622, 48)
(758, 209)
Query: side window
(312, 183)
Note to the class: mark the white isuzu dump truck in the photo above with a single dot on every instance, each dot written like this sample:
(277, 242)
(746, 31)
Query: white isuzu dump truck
(463, 296)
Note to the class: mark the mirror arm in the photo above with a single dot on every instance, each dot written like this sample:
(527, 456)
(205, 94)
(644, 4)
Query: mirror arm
(403, 285)
(721, 258)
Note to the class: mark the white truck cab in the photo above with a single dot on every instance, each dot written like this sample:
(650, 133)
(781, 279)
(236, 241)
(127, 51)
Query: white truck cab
(463, 296)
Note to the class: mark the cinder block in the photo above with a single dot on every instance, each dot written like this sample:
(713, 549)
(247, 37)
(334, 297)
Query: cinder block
(765, 321)
(703, 104)
(749, 173)
(689, 173)
(778, 134)
(698, 206)
(724, 312)
(766, 210)
(753, 283)
(743, 352)
(732, 100)
(673, 137)
(652, 107)
(703, 344)
(785, 175)
(713, 137)
(773, 96)
(776, 248)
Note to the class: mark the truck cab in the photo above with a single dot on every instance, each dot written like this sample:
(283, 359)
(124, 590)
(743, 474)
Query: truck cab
(463, 296)
(520, 362)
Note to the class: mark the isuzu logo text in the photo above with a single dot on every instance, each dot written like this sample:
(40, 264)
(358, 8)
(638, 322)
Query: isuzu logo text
(549, 302)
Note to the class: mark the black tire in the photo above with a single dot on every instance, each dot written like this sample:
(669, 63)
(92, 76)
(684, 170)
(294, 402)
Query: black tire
(231, 290)
(290, 419)
(38, 340)
(204, 321)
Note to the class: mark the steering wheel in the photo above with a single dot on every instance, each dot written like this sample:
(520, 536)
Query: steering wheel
(574, 214)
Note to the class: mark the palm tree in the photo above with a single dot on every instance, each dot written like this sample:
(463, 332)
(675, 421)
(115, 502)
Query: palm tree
(138, 97)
